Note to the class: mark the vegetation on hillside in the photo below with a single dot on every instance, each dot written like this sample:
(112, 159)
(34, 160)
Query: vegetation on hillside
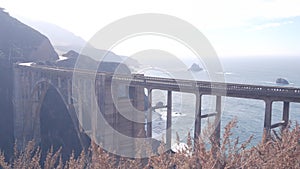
(281, 150)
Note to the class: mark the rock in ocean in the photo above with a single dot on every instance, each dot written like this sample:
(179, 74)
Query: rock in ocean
(195, 68)
(282, 81)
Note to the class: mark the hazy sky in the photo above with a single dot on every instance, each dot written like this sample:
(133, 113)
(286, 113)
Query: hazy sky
(234, 27)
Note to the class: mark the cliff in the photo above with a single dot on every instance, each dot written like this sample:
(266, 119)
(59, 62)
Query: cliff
(21, 43)
(18, 43)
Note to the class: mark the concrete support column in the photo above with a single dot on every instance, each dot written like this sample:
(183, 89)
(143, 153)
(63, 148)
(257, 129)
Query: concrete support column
(58, 82)
(93, 108)
(101, 104)
(102, 93)
(268, 116)
(286, 113)
(218, 119)
(139, 113)
(149, 114)
(69, 88)
(80, 103)
(169, 121)
(197, 129)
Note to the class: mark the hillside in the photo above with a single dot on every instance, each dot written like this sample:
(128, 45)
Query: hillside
(19, 42)
(62, 39)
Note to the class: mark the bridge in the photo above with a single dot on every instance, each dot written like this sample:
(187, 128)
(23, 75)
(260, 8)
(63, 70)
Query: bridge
(120, 99)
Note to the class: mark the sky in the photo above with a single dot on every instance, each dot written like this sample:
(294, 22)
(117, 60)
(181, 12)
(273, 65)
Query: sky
(233, 27)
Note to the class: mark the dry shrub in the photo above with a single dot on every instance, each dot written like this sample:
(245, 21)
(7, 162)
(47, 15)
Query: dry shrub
(51, 159)
(281, 150)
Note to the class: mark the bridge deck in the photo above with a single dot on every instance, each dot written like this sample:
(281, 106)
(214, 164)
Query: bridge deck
(275, 93)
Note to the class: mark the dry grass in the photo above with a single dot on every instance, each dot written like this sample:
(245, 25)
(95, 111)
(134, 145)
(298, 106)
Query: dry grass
(282, 150)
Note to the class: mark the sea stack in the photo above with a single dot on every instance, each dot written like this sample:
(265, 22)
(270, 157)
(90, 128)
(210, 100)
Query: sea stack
(195, 68)
(282, 81)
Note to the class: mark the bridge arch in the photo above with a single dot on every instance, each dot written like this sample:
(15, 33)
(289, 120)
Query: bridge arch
(54, 121)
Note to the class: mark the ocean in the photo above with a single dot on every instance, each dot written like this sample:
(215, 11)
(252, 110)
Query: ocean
(248, 112)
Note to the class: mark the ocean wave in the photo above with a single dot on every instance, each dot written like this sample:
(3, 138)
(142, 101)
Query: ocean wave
(225, 73)
(159, 122)
(274, 83)
(163, 114)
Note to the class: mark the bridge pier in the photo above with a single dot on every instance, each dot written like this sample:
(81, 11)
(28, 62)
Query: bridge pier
(169, 121)
(149, 114)
(286, 114)
(268, 116)
(198, 117)
(216, 135)
(217, 132)
(197, 129)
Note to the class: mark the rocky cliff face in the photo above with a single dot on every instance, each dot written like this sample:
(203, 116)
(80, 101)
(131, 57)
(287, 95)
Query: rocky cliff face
(19, 42)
